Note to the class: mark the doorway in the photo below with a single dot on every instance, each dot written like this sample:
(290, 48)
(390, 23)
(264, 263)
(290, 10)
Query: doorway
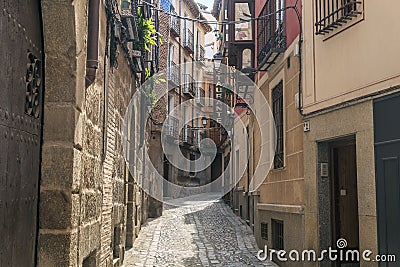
(166, 176)
(387, 168)
(344, 195)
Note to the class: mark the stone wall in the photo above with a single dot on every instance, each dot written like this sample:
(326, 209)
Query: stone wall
(86, 189)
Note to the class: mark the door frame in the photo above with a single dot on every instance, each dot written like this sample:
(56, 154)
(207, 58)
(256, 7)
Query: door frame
(333, 190)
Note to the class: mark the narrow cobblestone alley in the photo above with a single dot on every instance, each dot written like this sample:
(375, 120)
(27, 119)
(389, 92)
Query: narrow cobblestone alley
(205, 235)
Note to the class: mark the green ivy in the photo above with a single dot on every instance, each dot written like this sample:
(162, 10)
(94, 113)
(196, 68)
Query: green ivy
(147, 33)
(147, 37)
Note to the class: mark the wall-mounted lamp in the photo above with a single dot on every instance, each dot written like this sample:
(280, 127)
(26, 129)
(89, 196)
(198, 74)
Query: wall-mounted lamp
(204, 121)
(217, 59)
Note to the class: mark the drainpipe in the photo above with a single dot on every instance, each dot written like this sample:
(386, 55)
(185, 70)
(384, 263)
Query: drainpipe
(92, 61)
(180, 50)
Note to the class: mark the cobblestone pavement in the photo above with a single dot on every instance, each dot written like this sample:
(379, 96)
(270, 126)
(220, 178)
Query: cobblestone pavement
(205, 235)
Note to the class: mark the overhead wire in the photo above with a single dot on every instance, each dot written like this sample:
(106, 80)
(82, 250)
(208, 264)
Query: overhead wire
(219, 23)
(222, 23)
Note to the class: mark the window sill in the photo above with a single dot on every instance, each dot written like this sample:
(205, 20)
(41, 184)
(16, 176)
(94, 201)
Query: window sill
(278, 169)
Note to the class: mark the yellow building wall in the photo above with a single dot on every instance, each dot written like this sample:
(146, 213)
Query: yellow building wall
(353, 61)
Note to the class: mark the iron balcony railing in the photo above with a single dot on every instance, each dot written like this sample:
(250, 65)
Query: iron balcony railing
(173, 127)
(271, 36)
(188, 40)
(197, 137)
(331, 14)
(187, 135)
(200, 94)
(174, 74)
(200, 53)
(188, 87)
(175, 24)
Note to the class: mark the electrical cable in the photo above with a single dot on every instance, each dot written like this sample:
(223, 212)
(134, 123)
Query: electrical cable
(154, 7)
(294, 7)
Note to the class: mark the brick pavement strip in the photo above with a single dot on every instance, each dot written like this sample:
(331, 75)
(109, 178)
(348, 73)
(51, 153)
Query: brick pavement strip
(205, 235)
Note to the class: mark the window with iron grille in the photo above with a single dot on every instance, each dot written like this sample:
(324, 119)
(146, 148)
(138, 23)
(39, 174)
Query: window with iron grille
(332, 14)
(271, 33)
(277, 109)
(264, 231)
(277, 234)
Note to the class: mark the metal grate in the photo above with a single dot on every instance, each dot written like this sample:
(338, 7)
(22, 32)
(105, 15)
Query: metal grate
(200, 95)
(33, 83)
(331, 14)
(277, 234)
(175, 23)
(174, 74)
(264, 231)
(189, 85)
(188, 40)
(277, 109)
(200, 53)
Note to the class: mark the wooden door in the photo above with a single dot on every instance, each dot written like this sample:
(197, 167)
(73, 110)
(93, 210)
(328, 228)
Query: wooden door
(344, 194)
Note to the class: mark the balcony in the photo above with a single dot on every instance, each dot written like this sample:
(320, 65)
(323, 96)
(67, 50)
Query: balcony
(175, 24)
(187, 135)
(129, 19)
(188, 87)
(330, 16)
(271, 36)
(200, 53)
(201, 93)
(197, 137)
(172, 128)
(174, 74)
(188, 41)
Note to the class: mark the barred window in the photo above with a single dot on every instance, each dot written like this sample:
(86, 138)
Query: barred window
(331, 14)
(277, 109)
(277, 234)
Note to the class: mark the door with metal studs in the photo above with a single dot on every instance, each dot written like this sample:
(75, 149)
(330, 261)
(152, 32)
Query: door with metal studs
(21, 95)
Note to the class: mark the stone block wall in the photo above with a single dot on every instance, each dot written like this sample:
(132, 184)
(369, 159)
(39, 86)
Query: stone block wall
(90, 206)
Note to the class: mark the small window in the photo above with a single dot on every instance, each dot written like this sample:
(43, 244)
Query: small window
(277, 234)
(277, 109)
(264, 231)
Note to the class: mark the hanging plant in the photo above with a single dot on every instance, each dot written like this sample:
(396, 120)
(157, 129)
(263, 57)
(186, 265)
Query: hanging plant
(147, 33)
